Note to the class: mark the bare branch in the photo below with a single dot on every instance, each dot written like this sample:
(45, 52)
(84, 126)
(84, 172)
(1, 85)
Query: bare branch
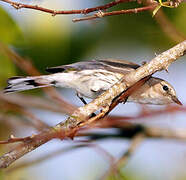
(135, 142)
(30, 101)
(160, 62)
(151, 6)
(18, 5)
(14, 107)
(129, 130)
(81, 115)
(13, 139)
(101, 14)
(119, 121)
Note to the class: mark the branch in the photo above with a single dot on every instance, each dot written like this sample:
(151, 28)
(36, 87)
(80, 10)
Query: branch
(100, 9)
(30, 101)
(131, 130)
(13, 139)
(119, 121)
(14, 107)
(101, 14)
(160, 62)
(18, 5)
(81, 115)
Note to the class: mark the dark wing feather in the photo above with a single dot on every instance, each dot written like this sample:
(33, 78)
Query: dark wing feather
(118, 63)
(113, 65)
(83, 65)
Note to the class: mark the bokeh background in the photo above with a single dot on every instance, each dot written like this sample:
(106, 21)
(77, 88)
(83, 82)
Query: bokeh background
(51, 41)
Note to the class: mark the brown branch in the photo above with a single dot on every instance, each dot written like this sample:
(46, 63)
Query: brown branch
(34, 120)
(13, 139)
(119, 121)
(100, 9)
(121, 98)
(135, 142)
(101, 14)
(129, 130)
(81, 115)
(18, 5)
(14, 107)
(160, 62)
(151, 5)
(14, 122)
(30, 101)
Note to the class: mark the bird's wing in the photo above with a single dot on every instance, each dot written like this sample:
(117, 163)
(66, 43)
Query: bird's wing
(113, 65)
(79, 66)
(119, 65)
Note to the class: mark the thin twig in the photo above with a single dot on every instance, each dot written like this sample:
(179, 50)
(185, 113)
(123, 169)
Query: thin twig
(33, 120)
(119, 121)
(130, 130)
(135, 142)
(13, 139)
(100, 9)
(18, 5)
(30, 101)
(101, 14)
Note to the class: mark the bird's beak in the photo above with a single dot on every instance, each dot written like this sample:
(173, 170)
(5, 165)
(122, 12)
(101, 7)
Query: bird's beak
(175, 99)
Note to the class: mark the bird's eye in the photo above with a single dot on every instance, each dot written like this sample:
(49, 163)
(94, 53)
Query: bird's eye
(165, 88)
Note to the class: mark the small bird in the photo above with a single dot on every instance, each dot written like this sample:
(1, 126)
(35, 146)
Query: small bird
(92, 78)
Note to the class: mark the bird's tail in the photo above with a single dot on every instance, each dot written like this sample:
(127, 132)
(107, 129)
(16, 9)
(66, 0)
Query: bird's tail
(25, 83)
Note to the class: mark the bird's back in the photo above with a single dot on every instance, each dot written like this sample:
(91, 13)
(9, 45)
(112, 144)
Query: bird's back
(113, 65)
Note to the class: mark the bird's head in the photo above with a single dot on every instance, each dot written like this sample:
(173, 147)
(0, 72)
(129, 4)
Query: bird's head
(163, 92)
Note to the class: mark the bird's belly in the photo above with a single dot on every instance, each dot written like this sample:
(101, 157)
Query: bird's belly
(92, 89)
(88, 83)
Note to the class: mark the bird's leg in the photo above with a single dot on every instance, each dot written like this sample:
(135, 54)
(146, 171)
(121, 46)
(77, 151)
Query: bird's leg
(125, 100)
(81, 98)
(84, 102)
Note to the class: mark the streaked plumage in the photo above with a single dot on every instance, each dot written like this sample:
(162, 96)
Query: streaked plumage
(92, 78)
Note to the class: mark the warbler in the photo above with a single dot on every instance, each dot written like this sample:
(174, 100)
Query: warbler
(92, 78)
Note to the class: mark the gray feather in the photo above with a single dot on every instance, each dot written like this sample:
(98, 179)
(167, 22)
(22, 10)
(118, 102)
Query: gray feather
(113, 65)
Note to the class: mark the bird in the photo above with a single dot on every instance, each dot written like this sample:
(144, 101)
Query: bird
(91, 78)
